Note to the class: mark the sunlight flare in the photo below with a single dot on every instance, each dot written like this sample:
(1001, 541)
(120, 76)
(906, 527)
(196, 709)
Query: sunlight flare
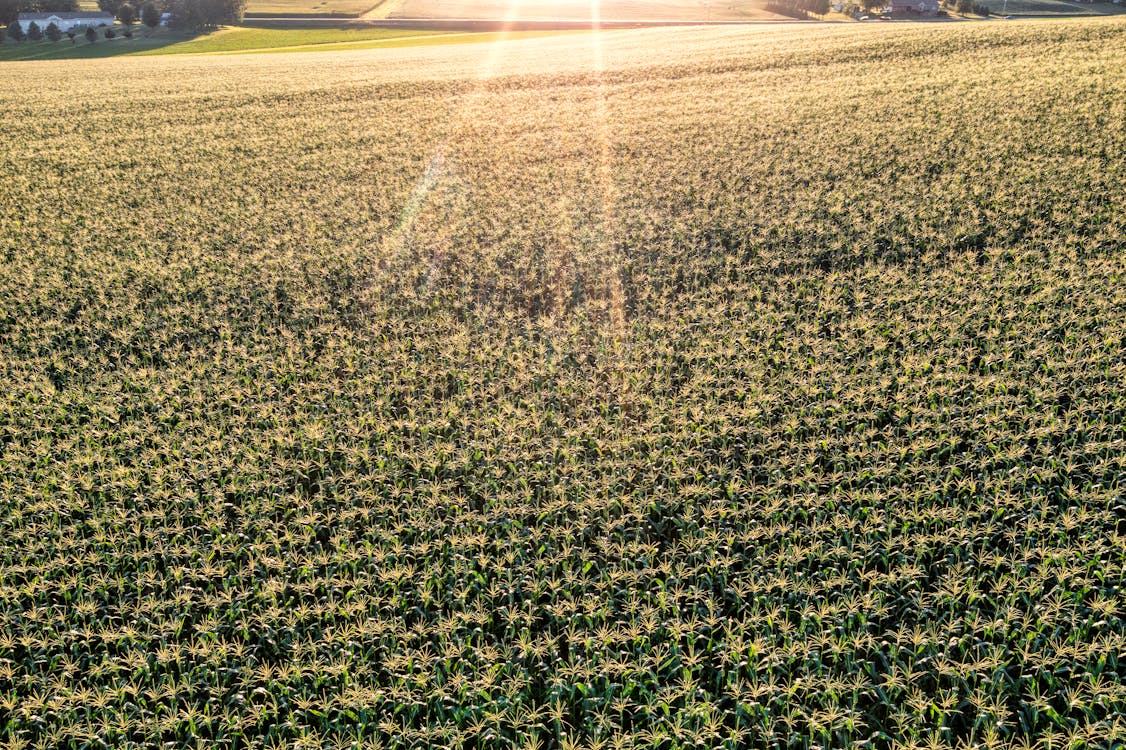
(604, 147)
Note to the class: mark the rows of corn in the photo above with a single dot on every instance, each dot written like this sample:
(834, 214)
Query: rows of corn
(666, 389)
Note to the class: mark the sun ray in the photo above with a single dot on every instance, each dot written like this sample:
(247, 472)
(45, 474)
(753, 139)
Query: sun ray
(605, 167)
(437, 168)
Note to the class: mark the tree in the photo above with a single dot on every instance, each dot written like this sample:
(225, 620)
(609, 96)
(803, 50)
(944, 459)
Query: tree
(110, 6)
(2, 34)
(15, 31)
(150, 15)
(198, 15)
(10, 9)
(70, 34)
(126, 14)
(91, 35)
(34, 33)
(53, 32)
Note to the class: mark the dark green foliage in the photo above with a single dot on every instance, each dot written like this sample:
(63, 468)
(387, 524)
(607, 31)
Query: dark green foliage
(53, 32)
(34, 33)
(972, 6)
(15, 31)
(9, 9)
(150, 15)
(91, 35)
(46, 6)
(791, 8)
(199, 15)
(126, 14)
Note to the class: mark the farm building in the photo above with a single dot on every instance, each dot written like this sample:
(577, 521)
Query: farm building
(927, 8)
(65, 21)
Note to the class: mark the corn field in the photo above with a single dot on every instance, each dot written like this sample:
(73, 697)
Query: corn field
(752, 387)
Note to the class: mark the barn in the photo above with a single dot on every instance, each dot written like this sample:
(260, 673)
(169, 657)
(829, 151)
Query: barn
(65, 21)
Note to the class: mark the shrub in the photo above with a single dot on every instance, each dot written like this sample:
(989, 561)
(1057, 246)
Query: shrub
(91, 35)
(53, 32)
(791, 8)
(109, 34)
(34, 33)
(971, 6)
(196, 15)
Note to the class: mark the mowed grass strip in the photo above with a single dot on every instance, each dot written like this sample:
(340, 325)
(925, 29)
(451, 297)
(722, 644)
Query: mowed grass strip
(253, 40)
(429, 39)
(243, 40)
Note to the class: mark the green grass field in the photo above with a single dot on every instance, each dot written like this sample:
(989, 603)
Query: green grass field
(242, 40)
(755, 387)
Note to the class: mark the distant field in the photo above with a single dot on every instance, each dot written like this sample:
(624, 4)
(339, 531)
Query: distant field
(250, 40)
(618, 9)
(672, 389)
(583, 9)
(1054, 8)
(350, 8)
(302, 7)
(523, 9)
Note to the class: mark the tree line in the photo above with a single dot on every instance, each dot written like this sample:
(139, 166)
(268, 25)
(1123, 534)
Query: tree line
(191, 15)
(798, 8)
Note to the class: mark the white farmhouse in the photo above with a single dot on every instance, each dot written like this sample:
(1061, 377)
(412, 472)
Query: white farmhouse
(65, 21)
